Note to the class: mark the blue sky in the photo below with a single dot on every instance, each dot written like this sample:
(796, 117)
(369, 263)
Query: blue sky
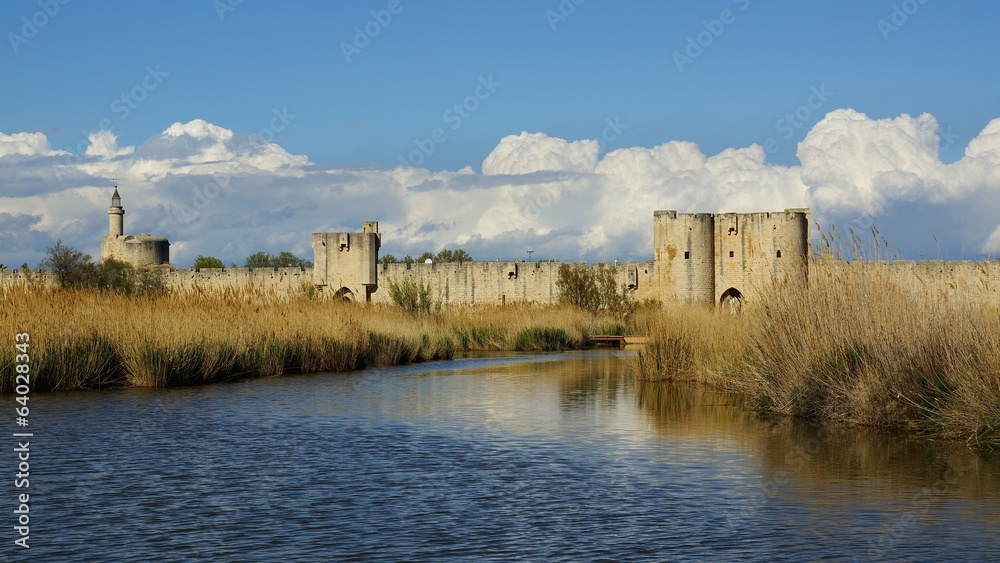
(562, 69)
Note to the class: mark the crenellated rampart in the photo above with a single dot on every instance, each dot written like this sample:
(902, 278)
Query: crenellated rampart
(508, 282)
(504, 282)
(278, 281)
(709, 258)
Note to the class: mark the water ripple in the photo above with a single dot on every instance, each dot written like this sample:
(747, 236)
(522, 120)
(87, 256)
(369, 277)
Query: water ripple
(536, 457)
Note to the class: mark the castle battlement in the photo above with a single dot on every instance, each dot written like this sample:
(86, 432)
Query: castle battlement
(720, 257)
(710, 258)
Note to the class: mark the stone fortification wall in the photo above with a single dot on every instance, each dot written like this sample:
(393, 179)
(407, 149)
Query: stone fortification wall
(280, 281)
(699, 257)
(142, 250)
(490, 282)
(755, 249)
(934, 280)
(684, 256)
(347, 263)
(11, 278)
(951, 279)
(502, 282)
(277, 281)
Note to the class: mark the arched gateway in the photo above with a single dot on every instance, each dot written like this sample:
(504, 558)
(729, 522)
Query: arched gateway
(731, 300)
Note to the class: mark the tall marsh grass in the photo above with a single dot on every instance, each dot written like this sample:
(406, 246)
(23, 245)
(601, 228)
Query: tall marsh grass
(854, 346)
(87, 339)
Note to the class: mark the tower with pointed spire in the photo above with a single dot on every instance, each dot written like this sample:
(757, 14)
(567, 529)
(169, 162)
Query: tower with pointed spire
(116, 216)
(139, 251)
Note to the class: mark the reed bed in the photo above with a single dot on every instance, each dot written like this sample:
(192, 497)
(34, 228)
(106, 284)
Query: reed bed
(87, 339)
(854, 346)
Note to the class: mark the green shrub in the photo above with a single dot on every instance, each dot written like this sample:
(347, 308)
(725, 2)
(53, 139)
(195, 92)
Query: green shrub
(76, 270)
(207, 262)
(593, 289)
(413, 297)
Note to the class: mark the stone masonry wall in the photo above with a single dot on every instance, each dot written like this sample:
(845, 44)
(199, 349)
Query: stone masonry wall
(748, 246)
(280, 281)
(501, 282)
(490, 282)
(684, 256)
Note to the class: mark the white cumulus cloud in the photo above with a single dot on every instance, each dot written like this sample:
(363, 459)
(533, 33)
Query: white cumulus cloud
(104, 144)
(889, 172)
(534, 152)
(217, 192)
(27, 144)
(851, 162)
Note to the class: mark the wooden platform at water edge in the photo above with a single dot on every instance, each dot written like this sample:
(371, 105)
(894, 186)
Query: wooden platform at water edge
(608, 341)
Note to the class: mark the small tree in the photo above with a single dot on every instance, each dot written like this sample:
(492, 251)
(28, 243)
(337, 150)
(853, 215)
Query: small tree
(413, 297)
(259, 260)
(286, 259)
(388, 259)
(448, 255)
(610, 297)
(73, 269)
(114, 275)
(149, 281)
(577, 287)
(208, 262)
(30, 278)
(425, 257)
(593, 289)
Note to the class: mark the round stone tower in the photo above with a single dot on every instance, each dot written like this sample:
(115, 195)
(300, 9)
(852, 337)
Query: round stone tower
(139, 251)
(684, 256)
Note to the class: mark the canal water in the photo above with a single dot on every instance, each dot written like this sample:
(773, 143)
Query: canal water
(528, 457)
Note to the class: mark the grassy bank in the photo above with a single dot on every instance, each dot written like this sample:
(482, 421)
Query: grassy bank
(852, 347)
(86, 339)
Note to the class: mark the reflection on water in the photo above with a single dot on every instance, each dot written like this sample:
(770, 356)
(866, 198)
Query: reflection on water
(804, 450)
(557, 456)
(896, 486)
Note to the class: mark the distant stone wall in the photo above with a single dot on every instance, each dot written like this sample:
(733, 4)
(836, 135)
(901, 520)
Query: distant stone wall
(502, 282)
(279, 281)
(11, 278)
(949, 280)
(497, 282)
(697, 257)
(933, 280)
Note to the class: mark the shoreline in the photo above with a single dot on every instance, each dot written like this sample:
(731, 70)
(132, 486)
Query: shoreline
(93, 340)
(852, 347)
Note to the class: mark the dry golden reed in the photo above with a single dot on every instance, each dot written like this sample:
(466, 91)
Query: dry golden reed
(852, 346)
(87, 339)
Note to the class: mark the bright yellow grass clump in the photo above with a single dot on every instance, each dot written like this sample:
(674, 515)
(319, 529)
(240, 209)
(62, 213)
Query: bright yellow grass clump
(86, 339)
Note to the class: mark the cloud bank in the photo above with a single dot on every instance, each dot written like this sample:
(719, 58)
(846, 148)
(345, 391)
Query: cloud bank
(217, 192)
